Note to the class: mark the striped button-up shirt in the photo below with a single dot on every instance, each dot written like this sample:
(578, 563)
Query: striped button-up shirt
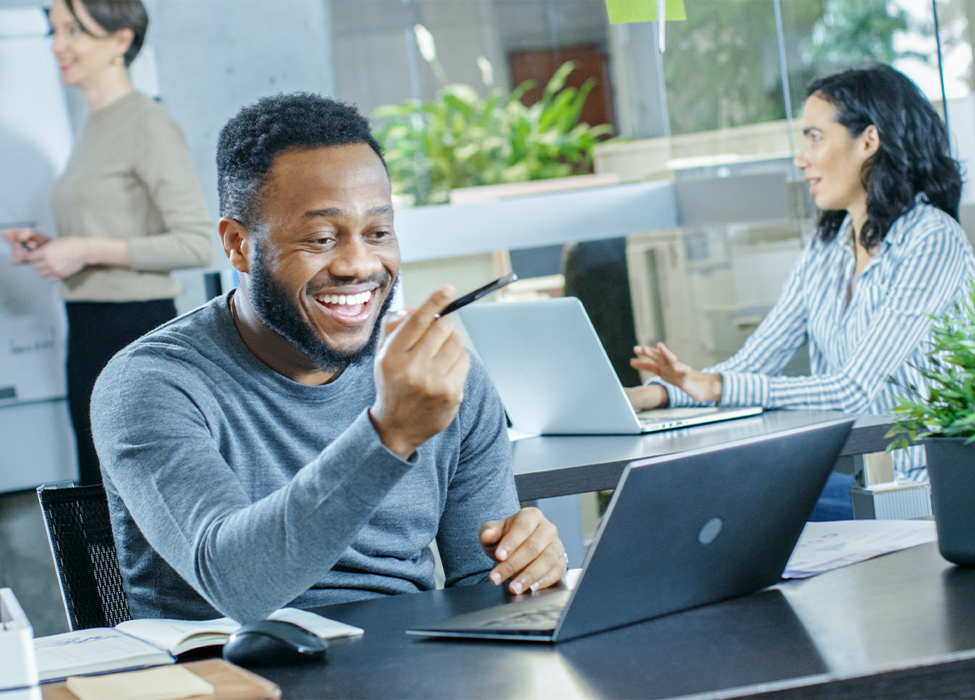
(855, 343)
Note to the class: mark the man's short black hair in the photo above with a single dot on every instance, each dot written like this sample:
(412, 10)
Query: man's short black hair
(251, 140)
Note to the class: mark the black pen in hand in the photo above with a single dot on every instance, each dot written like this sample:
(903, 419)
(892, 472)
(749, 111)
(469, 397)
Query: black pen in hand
(29, 246)
(477, 294)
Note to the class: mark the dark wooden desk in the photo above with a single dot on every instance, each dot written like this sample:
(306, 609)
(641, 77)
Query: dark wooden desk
(550, 466)
(902, 623)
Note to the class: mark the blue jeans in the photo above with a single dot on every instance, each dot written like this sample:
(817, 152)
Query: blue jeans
(834, 502)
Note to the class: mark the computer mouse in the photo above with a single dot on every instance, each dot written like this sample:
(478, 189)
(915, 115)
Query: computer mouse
(273, 643)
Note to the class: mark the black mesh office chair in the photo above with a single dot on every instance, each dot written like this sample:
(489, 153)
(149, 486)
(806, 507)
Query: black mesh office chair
(80, 534)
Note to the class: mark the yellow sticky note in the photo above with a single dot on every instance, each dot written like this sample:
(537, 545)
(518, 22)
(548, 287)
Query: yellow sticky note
(165, 683)
(624, 11)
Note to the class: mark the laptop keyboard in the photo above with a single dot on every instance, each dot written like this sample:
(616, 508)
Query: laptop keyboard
(542, 617)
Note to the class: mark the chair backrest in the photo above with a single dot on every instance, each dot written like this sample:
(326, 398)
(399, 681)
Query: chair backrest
(80, 533)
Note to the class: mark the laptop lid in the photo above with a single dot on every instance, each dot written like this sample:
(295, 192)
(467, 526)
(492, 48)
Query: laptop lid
(554, 377)
(684, 530)
(549, 367)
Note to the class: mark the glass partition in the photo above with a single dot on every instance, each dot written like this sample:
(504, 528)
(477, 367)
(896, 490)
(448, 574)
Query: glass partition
(717, 113)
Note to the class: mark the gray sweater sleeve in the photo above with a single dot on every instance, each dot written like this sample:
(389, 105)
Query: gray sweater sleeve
(482, 487)
(245, 558)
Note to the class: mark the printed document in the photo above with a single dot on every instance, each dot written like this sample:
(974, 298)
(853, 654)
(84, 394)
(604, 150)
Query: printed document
(830, 545)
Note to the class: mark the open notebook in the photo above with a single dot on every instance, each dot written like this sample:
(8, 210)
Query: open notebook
(152, 642)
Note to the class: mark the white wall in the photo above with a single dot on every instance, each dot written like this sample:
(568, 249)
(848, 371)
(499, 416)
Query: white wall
(35, 140)
(217, 56)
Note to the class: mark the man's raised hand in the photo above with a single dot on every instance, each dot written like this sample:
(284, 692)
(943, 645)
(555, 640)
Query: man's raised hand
(420, 370)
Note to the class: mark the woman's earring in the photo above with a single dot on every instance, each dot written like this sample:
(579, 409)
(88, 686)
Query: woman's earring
(117, 61)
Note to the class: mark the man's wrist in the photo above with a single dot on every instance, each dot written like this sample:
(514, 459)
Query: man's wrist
(398, 446)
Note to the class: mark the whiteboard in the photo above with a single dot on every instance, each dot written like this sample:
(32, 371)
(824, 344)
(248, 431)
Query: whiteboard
(35, 142)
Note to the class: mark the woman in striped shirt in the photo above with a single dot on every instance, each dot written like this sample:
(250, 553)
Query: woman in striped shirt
(888, 251)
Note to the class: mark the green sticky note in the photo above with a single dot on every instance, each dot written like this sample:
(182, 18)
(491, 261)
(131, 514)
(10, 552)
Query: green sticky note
(624, 11)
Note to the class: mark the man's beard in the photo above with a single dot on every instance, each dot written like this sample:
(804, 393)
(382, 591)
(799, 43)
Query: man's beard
(279, 312)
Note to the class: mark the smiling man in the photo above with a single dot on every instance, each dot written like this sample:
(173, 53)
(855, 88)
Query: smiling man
(288, 445)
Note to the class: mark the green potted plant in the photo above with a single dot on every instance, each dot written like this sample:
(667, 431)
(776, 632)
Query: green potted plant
(463, 140)
(941, 416)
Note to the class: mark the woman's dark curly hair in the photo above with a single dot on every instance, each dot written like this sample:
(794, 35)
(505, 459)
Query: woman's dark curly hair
(914, 154)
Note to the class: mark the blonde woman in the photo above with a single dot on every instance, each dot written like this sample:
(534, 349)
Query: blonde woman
(128, 207)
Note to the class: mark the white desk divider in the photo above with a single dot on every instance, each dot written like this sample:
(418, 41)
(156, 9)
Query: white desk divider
(19, 669)
(613, 211)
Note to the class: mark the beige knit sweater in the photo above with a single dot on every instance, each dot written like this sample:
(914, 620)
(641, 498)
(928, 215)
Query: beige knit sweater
(130, 177)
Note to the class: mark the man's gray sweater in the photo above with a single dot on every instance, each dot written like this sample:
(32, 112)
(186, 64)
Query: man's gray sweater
(234, 490)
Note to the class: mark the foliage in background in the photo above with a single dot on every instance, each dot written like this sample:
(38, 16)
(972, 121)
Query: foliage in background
(946, 408)
(736, 40)
(463, 140)
(851, 32)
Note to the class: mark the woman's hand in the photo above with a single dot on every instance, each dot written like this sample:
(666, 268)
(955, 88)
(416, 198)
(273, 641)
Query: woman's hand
(23, 241)
(646, 397)
(700, 386)
(60, 257)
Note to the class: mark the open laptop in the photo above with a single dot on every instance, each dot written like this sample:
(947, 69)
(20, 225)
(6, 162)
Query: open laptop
(554, 377)
(681, 530)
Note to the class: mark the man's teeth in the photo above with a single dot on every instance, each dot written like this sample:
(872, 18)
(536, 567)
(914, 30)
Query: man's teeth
(345, 299)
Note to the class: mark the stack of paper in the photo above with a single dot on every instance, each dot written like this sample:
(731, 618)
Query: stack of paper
(830, 545)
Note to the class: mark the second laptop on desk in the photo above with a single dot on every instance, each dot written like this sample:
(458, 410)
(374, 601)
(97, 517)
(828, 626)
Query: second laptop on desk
(554, 377)
(682, 530)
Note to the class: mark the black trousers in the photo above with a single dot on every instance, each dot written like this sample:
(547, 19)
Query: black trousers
(96, 331)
